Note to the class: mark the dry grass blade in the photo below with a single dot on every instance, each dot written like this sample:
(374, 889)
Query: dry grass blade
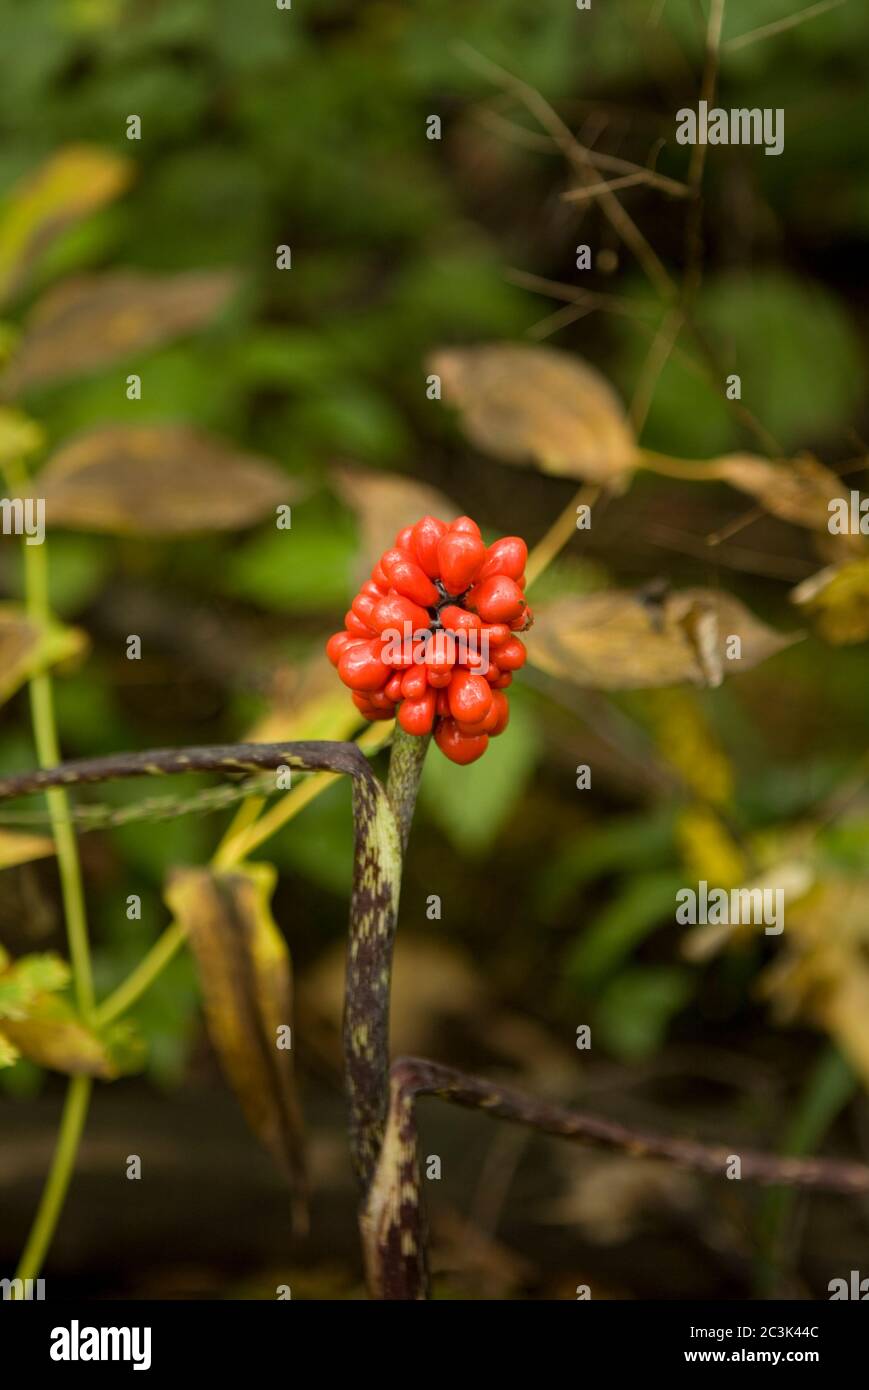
(93, 320)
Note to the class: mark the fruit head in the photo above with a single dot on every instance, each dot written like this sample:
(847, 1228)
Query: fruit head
(430, 639)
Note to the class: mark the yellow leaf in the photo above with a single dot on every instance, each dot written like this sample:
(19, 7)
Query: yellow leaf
(158, 480)
(70, 185)
(823, 976)
(53, 1036)
(93, 320)
(708, 849)
(838, 598)
(688, 744)
(246, 978)
(535, 405)
(27, 648)
(623, 640)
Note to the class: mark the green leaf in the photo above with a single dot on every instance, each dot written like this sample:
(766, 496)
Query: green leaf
(632, 1017)
(791, 343)
(635, 911)
(306, 569)
(28, 977)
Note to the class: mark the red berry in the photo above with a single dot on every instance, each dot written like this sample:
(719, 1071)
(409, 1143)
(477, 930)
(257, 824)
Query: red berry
(394, 611)
(408, 577)
(392, 689)
(443, 704)
(524, 621)
(365, 707)
(499, 633)
(379, 578)
(501, 708)
(497, 599)
(459, 557)
(455, 619)
(506, 556)
(414, 683)
(426, 534)
(470, 697)
(440, 651)
(336, 644)
(458, 747)
(361, 668)
(380, 700)
(355, 626)
(363, 606)
(439, 680)
(512, 656)
(417, 716)
(502, 681)
(465, 525)
(404, 539)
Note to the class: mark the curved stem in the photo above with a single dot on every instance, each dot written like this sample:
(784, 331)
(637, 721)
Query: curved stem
(405, 769)
(48, 754)
(559, 533)
(57, 1183)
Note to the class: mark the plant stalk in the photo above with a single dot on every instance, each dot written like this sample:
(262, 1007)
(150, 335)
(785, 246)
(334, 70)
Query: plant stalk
(36, 590)
(54, 1192)
(405, 769)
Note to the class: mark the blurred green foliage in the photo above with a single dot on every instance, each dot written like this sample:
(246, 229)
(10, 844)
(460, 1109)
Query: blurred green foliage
(307, 128)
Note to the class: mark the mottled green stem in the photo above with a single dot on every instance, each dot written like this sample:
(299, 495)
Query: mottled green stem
(405, 769)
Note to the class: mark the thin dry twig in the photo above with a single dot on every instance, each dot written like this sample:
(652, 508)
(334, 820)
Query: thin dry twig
(778, 26)
(545, 144)
(580, 158)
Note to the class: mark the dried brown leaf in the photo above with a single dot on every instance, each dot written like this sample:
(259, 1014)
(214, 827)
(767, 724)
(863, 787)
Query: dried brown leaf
(535, 405)
(158, 480)
(246, 977)
(625, 640)
(27, 647)
(385, 503)
(92, 320)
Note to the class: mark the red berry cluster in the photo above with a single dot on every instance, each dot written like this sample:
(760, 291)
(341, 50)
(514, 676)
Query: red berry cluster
(458, 606)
